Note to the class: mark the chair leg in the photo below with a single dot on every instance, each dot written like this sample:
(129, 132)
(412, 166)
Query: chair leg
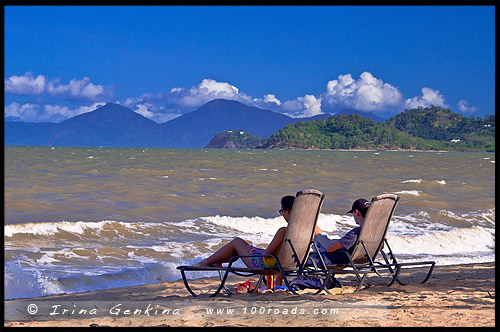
(362, 282)
(261, 279)
(184, 279)
(325, 282)
(222, 283)
(429, 273)
(228, 292)
(290, 288)
(395, 277)
(398, 270)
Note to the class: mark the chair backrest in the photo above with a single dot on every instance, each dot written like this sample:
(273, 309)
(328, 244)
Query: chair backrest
(300, 230)
(374, 227)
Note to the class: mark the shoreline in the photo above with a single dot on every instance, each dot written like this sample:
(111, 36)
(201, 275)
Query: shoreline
(270, 149)
(454, 296)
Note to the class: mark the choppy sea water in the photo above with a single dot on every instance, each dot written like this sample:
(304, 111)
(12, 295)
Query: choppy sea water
(87, 218)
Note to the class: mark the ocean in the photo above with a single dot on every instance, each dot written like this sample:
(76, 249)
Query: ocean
(88, 218)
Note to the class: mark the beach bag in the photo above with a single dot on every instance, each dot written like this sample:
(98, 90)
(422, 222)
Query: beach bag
(304, 282)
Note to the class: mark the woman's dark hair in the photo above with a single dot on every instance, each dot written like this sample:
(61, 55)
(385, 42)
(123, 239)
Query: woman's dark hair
(287, 202)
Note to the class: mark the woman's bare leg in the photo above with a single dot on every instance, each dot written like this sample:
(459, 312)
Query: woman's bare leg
(236, 247)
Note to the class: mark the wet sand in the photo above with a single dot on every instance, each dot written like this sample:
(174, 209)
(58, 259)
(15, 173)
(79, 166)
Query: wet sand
(455, 296)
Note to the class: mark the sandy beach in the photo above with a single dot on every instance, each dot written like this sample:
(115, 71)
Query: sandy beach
(455, 296)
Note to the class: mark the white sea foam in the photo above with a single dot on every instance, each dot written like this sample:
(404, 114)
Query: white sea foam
(256, 227)
(414, 224)
(141, 259)
(51, 228)
(412, 181)
(154, 253)
(441, 182)
(408, 192)
(335, 224)
(47, 259)
(22, 282)
(455, 242)
(44, 228)
(486, 217)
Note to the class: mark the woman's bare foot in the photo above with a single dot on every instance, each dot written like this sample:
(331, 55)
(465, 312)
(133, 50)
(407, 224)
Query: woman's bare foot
(202, 263)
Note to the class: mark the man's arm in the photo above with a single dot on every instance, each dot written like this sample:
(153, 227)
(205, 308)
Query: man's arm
(334, 246)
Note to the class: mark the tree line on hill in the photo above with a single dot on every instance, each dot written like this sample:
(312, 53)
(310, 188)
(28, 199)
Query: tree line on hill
(430, 128)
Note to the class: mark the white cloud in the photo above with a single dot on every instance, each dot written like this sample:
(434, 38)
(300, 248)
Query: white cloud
(181, 99)
(25, 85)
(26, 112)
(47, 113)
(143, 110)
(206, 91)
(463, 106)
(312, 105)
(270, 98)
(428, 98)
(76, 89)
(79, 90)
(155, 113)
(365, 94)
(164, 117)
(64, 112)
(214, 87)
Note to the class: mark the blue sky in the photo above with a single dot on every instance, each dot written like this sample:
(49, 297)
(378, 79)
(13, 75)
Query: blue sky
(165, 61)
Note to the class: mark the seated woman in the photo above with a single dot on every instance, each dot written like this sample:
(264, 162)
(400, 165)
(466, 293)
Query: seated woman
(239, 247)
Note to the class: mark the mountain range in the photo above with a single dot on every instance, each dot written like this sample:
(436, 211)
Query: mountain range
(117, 126)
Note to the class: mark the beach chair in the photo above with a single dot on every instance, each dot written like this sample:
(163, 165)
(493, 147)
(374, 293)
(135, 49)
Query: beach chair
(294, 251)
(372, 241)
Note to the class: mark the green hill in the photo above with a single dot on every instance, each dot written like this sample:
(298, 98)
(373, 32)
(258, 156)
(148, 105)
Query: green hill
(417, 129)
(235, 139)
(441, 124)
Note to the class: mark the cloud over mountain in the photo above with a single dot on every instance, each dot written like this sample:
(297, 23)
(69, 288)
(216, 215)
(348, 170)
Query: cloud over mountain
(45, 113)
(429, 97)
(79, 90)
(463, 106)
(25, 85)
(366, 94)
(82, 90)
(206, 91)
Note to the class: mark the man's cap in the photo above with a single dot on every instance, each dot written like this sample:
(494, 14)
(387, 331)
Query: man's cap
(359, 205)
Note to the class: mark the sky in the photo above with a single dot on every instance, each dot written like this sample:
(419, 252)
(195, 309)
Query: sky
(165, 61)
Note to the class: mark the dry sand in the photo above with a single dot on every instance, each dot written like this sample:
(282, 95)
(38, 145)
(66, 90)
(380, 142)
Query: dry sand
(455, 296)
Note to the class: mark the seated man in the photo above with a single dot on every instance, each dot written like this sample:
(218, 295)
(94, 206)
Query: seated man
(335, 251)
